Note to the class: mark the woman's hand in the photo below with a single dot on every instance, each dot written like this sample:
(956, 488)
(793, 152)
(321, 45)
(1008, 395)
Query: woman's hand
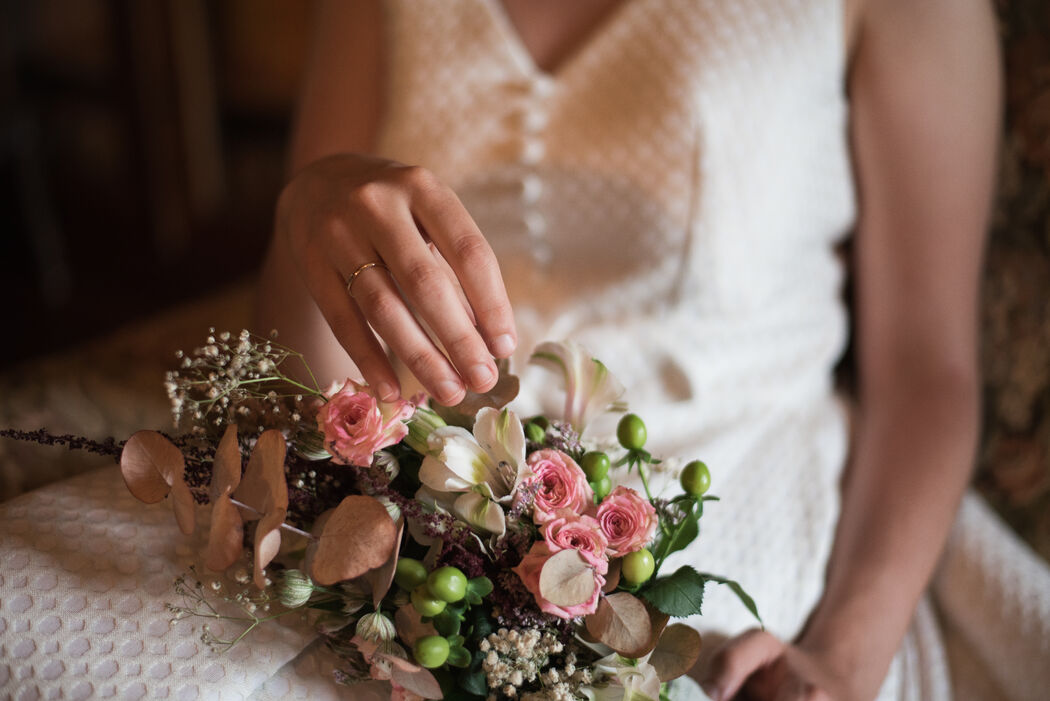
(344, 211)
(758, 666)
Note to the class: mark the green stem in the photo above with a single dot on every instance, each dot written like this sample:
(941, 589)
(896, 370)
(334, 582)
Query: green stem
(674, 537)
(645, 481)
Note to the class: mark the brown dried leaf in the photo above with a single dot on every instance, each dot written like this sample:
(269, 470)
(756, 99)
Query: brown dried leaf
(380, 578)
(413, 677)
(621, 622)
(151, 464)
(612, 577)
(410, 625)
(226, 537)
(311, 547)
(226, 466)
(566, 579)
(358, 536)
(263, 486)
(184, 505)
(676, 653)
(267, 543)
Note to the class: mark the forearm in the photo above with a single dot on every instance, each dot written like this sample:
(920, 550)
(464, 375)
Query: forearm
(911, 462)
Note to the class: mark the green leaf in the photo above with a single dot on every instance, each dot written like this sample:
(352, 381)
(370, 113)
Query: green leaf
(744, 597)
(477, 589)
(679, 594)
(473, 679)
(682, 534)
(448, 622)
(458, 656)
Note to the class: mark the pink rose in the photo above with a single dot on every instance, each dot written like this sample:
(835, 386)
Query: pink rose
(627, 520)
(355, 425)
(569, 530)
(561, 485)
(529, 573)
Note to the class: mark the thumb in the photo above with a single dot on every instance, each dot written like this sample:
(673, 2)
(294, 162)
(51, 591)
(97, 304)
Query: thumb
(737, 660)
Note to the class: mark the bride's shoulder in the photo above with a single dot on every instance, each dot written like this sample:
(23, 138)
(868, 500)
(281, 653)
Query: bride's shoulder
(864, 17)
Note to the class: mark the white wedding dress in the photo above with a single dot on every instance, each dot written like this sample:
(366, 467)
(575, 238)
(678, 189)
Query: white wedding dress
(671, 197)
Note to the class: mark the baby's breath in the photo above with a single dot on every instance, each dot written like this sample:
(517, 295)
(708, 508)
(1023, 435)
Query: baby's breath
(240, 380)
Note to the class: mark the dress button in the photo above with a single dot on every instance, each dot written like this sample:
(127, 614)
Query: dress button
(543, 86)
(531, 189)
(533, 120)
(535, 225)
(531, 151)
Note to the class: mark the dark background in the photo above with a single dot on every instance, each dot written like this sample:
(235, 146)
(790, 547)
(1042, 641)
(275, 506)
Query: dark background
(142, 147)
(141, 150)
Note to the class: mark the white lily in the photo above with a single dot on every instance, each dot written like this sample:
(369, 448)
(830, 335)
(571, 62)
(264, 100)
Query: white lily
(590, 388)
(473, 474)
(624, 680)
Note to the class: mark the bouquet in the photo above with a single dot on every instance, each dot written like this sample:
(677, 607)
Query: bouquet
(453, 553)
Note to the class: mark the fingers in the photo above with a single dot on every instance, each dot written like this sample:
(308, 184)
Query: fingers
(738, 659)
(378, 299)
(457, 237)
(351, 212)
(352, 331)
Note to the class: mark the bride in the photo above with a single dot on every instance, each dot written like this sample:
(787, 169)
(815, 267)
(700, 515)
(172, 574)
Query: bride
(668, 182)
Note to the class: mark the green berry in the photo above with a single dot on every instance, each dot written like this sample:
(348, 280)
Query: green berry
(695, 478)
(637, 567)
(631, 432)
(448, 584)
(426, 603)
(431, 651)
(602, 487)
(595, 465)
(535, 433)
(409, 573)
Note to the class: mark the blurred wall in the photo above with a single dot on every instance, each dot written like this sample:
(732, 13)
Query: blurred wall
(141, 151)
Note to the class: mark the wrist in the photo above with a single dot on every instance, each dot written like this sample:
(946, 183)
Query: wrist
(854, 649)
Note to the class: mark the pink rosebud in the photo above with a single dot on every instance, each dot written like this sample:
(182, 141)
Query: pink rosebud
(528, 570)
(355, 425)
(627, 520)
(569, 530)
(561, 485)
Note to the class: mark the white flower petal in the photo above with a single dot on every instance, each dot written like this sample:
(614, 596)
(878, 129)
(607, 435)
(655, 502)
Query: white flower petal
(501, 435)
(590, 388)
(439, 477)
(460, 463)
(481, 513)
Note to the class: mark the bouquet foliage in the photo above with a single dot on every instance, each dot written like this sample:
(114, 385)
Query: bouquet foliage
(456, 553)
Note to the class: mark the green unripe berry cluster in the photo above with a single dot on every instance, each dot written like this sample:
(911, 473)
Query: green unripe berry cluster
(431, 592)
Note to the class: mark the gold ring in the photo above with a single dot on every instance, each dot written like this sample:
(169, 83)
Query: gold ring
(353, 276)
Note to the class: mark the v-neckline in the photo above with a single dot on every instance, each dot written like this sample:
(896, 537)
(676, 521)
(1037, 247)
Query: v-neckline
(525, 59)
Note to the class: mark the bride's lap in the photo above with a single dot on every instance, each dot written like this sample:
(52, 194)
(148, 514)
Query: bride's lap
(86, 573)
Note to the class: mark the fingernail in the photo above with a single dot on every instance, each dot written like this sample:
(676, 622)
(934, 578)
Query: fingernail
(386, 392)
(503, 345)
(448, 390)
(712, 691)
(479, 375)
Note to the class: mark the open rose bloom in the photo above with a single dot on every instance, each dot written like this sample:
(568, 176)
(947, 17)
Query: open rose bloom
(356, 425)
